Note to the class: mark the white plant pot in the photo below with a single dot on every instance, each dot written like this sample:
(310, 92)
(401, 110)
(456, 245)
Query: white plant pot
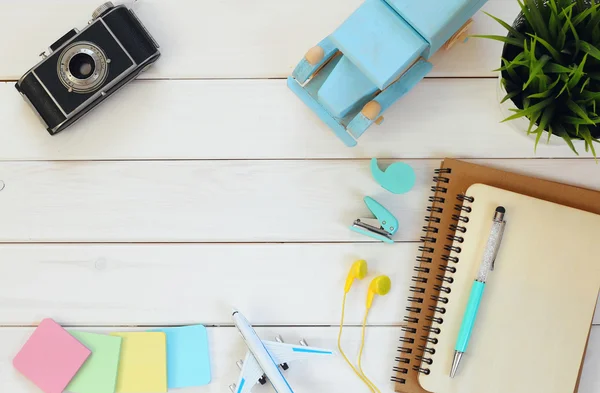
(521, 125)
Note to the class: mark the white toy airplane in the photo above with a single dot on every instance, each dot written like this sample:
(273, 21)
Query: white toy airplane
(264, 358)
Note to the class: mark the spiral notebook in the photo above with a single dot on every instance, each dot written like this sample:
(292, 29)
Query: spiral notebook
(451, 182)
(539, 302)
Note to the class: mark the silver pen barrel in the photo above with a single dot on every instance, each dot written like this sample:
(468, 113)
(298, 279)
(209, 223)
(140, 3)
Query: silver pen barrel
(493, 245)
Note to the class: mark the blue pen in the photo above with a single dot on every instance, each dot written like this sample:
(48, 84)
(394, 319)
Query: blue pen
(487, 265)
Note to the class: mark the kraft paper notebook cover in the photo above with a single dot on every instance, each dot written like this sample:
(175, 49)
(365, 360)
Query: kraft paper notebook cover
(539, 301)
(451, 181)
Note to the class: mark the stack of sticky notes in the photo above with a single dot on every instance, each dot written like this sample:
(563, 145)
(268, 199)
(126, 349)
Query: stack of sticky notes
(129, 362)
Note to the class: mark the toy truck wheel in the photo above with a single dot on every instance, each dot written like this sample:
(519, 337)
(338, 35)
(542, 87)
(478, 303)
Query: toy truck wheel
(460, 35)
(372, 110)
(315, 55)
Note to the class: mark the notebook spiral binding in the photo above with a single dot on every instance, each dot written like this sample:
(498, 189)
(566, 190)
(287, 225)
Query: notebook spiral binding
(426, 339)
(443, 281)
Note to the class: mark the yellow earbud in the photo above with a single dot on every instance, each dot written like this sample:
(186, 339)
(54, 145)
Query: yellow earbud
(358, 270)
(379, 286)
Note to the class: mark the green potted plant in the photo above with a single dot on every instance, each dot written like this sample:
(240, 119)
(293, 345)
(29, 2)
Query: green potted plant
(550, 71)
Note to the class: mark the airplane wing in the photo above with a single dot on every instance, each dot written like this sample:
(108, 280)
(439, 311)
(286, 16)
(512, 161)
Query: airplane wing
(251, 373)
(286, 353)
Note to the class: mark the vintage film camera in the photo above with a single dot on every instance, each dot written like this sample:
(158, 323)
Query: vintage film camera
(85, 67)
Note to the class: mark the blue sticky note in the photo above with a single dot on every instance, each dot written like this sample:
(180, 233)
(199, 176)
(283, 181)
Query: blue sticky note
(188, 357)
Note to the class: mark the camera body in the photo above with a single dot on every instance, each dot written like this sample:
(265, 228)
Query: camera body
(85, 67)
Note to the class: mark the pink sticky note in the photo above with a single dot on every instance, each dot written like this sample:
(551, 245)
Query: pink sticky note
(51, 357)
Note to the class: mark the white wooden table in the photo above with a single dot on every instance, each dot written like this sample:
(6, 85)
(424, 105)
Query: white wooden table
(208, 185)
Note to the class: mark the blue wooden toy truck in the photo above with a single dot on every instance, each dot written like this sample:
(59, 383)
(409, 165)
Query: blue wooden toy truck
(375, 57)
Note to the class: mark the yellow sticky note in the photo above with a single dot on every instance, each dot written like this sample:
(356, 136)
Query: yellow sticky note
(143, 363)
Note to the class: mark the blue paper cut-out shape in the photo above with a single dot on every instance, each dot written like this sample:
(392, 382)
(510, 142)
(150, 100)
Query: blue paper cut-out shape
(398, 178)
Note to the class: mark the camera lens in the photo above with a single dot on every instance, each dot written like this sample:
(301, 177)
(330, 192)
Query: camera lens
(82, 66)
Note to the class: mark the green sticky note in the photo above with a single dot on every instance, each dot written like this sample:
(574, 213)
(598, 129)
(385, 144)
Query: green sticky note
(99, 373)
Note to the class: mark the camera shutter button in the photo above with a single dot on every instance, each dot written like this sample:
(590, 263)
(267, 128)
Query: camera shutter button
(102, 9)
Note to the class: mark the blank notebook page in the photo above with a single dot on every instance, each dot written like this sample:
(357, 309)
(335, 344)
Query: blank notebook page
(538, 305)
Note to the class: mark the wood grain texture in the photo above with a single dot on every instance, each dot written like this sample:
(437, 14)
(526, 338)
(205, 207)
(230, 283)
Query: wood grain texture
(221, 201)
(293, 284)
(327, 375)
(251, 185)
(185, 284)
(264, 120)
(162, 284)
(226, 39)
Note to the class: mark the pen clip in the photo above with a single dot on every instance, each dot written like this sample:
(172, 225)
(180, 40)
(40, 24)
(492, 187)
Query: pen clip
(498, 245)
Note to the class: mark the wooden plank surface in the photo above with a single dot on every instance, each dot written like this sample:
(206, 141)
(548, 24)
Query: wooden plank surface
(186, 284)
(242, 171)
(590, 380)
(291, 284)
(220, 201)
(327, 375)
(264, 120)
(225, 39)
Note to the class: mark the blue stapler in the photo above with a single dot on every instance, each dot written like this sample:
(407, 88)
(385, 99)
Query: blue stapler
(375, 57)
(382, 227)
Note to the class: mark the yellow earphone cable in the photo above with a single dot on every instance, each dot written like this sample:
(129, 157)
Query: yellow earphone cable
(358, 374)
(362, 346)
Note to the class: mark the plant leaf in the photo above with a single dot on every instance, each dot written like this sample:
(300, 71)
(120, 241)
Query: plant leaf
(557, 56)
(501, 38)
(589, 95)
(536, 69)
(535, 18)
(553, 23)
(576, 40)
(561, 38)
(529, 111)
(560, 131)
(583, 14)
(533, 119)
(564, 78)
(579, 111)
(577, 73)
(584, 85)
(576, 121)
(537, 139)
(546, 118)
(590, 50)
(596, 32)
(548, 92)
(510, 69)
(508, 27)
(587, 137)
(509, 96)
(567, 10)
(594, 21)
(554, 68)
(554, 19)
